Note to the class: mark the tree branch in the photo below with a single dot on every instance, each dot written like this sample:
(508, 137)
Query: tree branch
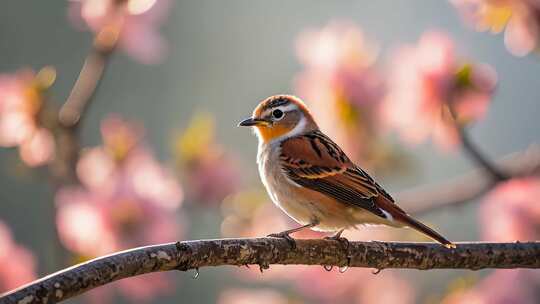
(188, 255)
(68, 119)
(469, 186)
(89, 78)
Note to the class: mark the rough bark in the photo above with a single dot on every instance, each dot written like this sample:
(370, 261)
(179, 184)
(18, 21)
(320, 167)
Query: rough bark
(267, 251)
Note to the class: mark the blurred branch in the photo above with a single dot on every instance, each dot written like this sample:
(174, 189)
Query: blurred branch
(482, 160)
(89, 78)
(264, 252)
(474, 152)
(470, 186)
(63, 167)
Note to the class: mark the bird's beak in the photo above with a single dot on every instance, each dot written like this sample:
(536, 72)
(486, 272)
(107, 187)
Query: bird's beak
(251, 122)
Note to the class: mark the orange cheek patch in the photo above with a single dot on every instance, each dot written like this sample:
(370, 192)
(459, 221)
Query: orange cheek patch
(269, 133)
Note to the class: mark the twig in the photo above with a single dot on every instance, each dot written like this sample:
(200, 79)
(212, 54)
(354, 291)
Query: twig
(469, 186)
(267, 251)
(89, 78)
(62, 169)
(473, 151)
(482, 160)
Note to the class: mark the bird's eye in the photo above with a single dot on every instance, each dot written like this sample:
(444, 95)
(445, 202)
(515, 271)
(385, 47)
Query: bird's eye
(277, 114)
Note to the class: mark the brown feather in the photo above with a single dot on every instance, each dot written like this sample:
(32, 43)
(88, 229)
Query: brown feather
(316, 162)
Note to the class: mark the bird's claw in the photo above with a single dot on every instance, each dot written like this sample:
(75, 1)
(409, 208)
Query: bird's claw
(286, 236)
(343, 241)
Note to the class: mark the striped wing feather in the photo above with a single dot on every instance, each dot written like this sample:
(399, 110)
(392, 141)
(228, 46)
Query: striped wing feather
(314, 161)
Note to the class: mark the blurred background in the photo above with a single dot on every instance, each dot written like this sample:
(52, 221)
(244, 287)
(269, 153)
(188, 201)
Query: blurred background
(162, 160)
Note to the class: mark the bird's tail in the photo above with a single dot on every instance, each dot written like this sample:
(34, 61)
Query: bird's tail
(402, 217)
(411, 222)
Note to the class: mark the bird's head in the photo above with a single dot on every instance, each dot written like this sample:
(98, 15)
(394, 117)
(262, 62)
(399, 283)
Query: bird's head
(280, 116)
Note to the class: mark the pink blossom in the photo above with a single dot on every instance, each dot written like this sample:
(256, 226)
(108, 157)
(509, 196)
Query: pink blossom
(504, 286)
(84, 224)
(519, 18)
(38, 149)
(124, 163)
(125, 193)
(342, 86)
(342, 55)
(92, 225)
(127, 199)
(211, 179)
(510, 212)
(120, 136)
(388, 287)
(210, 172)
(424, 79)
(17, 264)
(137, 23)
(249, 296)
(20, 104)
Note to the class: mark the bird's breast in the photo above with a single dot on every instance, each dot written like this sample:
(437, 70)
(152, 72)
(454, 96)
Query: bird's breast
(285, 194)
(268, 161)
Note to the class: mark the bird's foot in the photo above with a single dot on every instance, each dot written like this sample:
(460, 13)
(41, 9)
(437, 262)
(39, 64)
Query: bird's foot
(284, 235)
(337, 237)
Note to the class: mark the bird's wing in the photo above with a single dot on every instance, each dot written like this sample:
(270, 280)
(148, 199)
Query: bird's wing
(314, 161)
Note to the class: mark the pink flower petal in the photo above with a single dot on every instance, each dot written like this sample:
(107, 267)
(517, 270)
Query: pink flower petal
(423, 81)
(97, 170)
(510, 212)
(521, 35)
(153, 182)
(146, 287)
(81, 225)
(17, 264)
(249, 296)
(15, 128)
(38, 149)
(139, 21)
(144, 44)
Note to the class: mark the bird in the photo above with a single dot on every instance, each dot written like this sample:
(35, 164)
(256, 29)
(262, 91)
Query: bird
(311, 179)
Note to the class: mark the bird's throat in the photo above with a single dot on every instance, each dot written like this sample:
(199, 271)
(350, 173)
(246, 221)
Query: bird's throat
(267, 134)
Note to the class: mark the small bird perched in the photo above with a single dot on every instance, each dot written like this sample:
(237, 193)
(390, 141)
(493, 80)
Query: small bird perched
(311, 179)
